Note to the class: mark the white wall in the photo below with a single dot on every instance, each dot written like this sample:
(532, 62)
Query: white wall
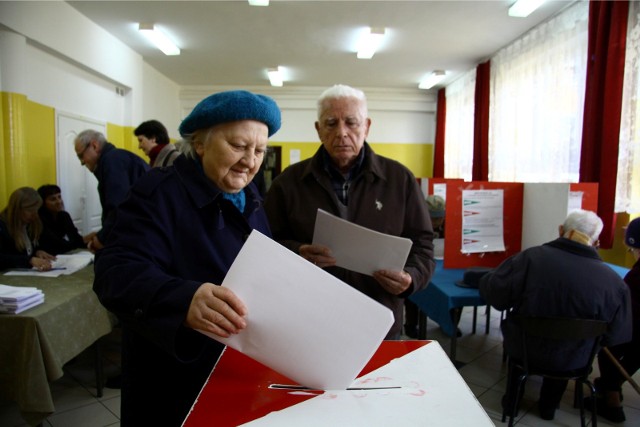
(398, 116)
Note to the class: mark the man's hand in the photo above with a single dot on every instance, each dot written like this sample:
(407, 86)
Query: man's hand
(95, 244)
(394, 282)
(217, 310)
(317, 254)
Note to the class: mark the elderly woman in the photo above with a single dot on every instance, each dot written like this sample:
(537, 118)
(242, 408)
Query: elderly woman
(59, 234)
(20, 230)
(174, 240)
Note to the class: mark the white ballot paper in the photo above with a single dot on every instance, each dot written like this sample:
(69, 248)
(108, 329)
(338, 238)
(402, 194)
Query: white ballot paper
(358, 248)
(302, 322)
(64, 264)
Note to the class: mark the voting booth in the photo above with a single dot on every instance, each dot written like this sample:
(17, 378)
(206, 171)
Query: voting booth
(487, 222)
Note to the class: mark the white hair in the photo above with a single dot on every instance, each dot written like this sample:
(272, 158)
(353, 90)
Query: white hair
(586, 222)
(343, 91)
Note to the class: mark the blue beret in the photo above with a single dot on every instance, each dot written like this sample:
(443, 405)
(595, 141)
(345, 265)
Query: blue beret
(232, 106)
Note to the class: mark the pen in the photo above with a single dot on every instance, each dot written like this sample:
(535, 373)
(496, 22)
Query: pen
(58, 268)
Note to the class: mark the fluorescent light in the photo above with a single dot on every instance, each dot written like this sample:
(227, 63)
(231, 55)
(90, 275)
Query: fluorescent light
(370, 43)
(432, 79)
(523, 8)
(275, 76)
(258, 2)
(158, 38)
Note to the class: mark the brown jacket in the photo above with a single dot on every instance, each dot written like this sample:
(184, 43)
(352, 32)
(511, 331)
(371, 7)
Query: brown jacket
(385, 197)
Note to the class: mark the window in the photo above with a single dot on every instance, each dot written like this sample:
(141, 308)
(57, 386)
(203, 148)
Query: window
(458, 153)
(537, 102)
(628, 182)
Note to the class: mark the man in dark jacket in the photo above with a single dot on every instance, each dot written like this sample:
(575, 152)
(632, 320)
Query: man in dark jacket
(347, 179)
(562, 278)
(116, 170)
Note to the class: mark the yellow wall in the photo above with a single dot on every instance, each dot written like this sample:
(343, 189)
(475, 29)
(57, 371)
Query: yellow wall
(28, 144)
(417, 157)
(618, 254)
(123, 137)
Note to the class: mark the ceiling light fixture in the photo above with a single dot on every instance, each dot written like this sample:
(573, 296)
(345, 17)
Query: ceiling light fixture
(370, 42)
(275, 76)
(258, 2)
(158, 38)
(523, 8)
(432, 79)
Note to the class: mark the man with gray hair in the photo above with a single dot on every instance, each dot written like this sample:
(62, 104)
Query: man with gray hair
(562, 278)
(347, 179)
(116, 170)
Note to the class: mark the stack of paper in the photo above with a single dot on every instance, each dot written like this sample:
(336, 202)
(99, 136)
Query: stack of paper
(16, 299)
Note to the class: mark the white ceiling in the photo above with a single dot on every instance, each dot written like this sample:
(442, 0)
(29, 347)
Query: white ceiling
(231, 43)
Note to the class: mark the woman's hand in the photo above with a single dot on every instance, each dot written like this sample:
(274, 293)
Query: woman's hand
(40, 264)
(317, 254)
(217, 310)
(45, 255)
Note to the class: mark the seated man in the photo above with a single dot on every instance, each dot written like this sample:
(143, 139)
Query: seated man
(562, 278)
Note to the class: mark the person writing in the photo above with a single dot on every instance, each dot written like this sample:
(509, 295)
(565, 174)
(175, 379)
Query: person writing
(20, 231)
(59, 233)
(153, 139)
(609, 384)
(174, 240)
(347, 179)
(562, 278)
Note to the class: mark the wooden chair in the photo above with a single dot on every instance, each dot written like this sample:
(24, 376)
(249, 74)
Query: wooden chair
(555, 329)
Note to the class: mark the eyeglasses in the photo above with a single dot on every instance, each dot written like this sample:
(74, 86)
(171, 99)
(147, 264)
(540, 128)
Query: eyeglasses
(81, 154)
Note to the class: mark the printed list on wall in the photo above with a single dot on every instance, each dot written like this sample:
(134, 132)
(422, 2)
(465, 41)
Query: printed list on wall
(482, 221)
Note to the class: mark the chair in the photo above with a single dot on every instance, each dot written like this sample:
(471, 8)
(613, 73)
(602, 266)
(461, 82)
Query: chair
(561, 329)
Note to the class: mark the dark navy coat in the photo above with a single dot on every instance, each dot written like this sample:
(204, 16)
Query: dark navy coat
(561, 278)
(117, 170)
(173, 233)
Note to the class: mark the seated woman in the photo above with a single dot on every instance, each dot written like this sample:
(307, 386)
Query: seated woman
(20, 230)
(59, 234)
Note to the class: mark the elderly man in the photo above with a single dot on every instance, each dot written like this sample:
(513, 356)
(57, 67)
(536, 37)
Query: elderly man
(346, 178)
(116, 170)
(562, 278)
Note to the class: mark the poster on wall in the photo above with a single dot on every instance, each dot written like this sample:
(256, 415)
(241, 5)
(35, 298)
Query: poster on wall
(482, 221)
(575, 201)
(440, 190)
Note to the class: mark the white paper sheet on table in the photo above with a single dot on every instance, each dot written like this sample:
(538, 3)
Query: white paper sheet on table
(64, 264)
(302, 322)
(358, 248)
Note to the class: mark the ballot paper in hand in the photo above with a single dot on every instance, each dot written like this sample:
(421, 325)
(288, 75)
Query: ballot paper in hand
(302, 322)
(358, 248)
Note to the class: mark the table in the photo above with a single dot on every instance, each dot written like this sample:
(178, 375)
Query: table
(443, 300)
(430, 391)
(38, 342)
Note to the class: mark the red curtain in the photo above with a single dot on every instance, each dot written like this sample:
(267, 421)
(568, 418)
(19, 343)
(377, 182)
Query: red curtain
(603, 106)
(480, 171)
(441, 119)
